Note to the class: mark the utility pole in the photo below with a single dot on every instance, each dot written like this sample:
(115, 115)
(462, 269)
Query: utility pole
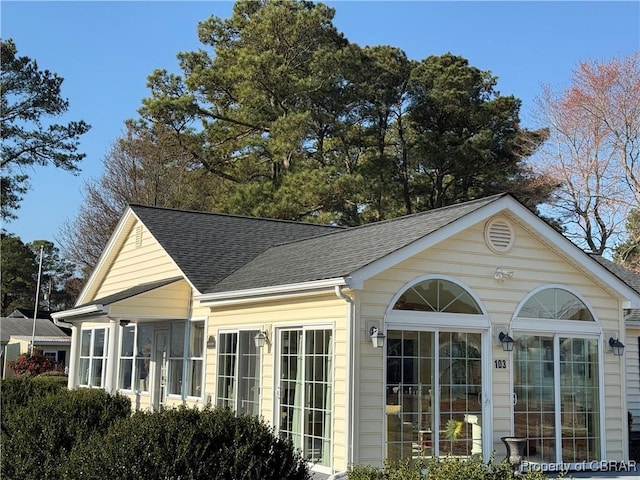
(35, 310)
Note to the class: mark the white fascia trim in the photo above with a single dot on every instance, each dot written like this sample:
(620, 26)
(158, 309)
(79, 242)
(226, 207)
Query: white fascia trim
(126, 220)
(530, 219)
(274, 291)
(431, 239)
(77, 312)
(576, 254)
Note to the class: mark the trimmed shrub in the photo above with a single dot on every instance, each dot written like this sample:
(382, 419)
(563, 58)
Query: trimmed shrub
(444, 468)
(185, 443)
(18, 391)
(37, 438)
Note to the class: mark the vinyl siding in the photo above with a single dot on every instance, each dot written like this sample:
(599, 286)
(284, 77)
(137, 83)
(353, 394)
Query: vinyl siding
(135, 264)
(171, 301)
(466, 258)
(323, 311)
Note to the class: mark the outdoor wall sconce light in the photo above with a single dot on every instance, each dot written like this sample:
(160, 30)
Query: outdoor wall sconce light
(211, 342)
(501, 274)
(377, 337)
(261, 339)
(616, 346)
(506, 341)
(124, 323)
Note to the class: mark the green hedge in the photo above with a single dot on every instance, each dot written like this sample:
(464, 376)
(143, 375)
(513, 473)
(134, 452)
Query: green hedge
(37, 438)
(444, 468)
(16, 392)
(189, 444)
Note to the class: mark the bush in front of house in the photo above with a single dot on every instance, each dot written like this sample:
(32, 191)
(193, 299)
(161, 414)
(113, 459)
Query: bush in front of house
(187, 443)
(443, 468)
(32, 365)
(38, 437)
(16, 392)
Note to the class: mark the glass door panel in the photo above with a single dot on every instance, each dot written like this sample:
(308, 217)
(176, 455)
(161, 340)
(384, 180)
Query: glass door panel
(570, 420)
(534, 410)
(579, 399)
(431, 390)
(460, 394)
(409, 389)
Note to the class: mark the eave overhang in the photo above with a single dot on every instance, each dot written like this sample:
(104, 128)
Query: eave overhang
(219, 299)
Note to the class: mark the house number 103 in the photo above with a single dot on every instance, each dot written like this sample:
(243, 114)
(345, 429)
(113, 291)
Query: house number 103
(500, 363)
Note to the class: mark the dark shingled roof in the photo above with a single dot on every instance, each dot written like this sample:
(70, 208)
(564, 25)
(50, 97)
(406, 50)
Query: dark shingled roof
(208, 247)
(627, 276)
(342, 252)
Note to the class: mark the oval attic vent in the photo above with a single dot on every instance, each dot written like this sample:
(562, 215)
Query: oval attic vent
(499, 235)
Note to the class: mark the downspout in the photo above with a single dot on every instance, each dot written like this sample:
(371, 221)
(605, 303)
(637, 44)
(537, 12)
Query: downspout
(350, 417)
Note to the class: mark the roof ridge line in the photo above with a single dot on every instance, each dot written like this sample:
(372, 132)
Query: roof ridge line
(231, 215)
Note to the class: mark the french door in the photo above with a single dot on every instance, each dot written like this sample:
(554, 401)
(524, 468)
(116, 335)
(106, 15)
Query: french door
(556, 398)
(434, 403)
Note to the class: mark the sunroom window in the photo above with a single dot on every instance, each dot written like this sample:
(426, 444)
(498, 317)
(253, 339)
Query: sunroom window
(306, 391)
(437, 295)
(557, 304)
(195, 360)
(239, 372)
(135, 357)
(93, 355)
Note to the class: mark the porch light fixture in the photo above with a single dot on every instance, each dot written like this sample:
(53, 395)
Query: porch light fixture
(501, 274)
(211, 342)
(377, 337)
(261, 339)
(124, 323)
(616, 346)
(506, 341)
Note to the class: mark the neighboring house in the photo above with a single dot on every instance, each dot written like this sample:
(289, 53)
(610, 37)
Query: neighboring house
(279, 319)
(632, 352)
(17, 333)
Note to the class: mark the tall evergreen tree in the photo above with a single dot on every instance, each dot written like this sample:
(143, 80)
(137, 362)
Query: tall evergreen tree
(30, 97)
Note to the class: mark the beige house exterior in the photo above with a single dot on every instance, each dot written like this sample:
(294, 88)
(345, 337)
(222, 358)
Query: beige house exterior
(175, 310)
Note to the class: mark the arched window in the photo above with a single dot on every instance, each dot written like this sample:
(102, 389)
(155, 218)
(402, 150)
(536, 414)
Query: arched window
(437, 295)
(555, 303)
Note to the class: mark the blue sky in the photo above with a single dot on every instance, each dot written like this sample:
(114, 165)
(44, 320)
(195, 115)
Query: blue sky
(105, 50)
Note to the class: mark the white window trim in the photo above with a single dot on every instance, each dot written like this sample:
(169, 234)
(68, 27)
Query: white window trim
(277, 328)
(556, 328)
(431, 276)
(236, 373)
(187, 358)
(441, 322)
(132, 357)
(91, 357)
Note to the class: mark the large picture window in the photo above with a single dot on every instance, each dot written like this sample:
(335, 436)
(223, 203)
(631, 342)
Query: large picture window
(239, 372)
(306, 391)
(93, 355)
(556, 377)
(436, 336)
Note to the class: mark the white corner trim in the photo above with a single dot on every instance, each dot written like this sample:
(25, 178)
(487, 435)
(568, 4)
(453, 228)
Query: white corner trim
(273, 291)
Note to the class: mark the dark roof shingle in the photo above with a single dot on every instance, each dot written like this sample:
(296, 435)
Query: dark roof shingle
(342, 252)
(208, 247)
